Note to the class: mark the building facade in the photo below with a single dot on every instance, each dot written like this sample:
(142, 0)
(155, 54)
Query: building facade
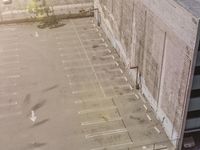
(160, 38)
(193, 117)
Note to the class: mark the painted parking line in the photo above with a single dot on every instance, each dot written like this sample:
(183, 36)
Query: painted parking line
(109, 50)
(124, 95)
(99, 39)
(78, 54)
(67, 31)
(74, 60)
(83, 91)
(120, 86)
(17, 76)
(74, 48)
(9, 50)
(83, 74)
(157, 130)
(100, 121)
(89, 66)
(91, 100)
(88, 52)
(8, 86)
(110, 70)
(65, 38)
(72, 83)
(149, 117)
(125, 78)
(99, 73)
(131, 87)
(74, 42)
(8, 29)
(100, 50)
(137, 96)
(100, 44)
(110, 132)
(116, 72)
(91, 36)
(7, 70)
(84, 25)
(81, 32)
(107, 57)
(96, 110)
(3, 95)
(10, 115)
(117, 64)
(9, 63)
(113, 146)
(9, 56)
(145, 107)
(12, 43)
(95, 81)
(8, 104)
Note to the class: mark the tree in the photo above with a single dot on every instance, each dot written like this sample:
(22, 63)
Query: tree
(43, 13)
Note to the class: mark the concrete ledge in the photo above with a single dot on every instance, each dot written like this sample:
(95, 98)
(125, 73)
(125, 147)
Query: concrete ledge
(64, 11)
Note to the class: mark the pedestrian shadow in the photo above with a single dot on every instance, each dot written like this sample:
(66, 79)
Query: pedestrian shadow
(38, 105)
(36, 145)
(40, 123)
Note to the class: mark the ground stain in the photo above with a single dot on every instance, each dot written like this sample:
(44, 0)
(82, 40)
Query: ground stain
(38, 105)
(36, 145)
(27, 99)
(50, 88)
(132, 99)
(137, 110)
(40, 123)
(137, 118)
(95, 46)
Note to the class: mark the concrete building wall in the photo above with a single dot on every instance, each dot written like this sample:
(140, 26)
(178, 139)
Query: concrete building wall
(22, 4)
(159, 37)
(17, 8)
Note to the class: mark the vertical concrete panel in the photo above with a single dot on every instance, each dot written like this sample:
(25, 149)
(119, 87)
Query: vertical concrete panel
(117, 14)
(153, 53)
(117, 10)
(107, 8)
(126, 26)
(140, 30)
(172, 92)
(109, 5)
(179, 20)
(182, 93)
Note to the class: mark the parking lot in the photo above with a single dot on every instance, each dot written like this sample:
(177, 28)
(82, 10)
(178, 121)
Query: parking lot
(66, 88)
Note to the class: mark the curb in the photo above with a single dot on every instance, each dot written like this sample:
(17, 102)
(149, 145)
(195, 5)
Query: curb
(61, 11)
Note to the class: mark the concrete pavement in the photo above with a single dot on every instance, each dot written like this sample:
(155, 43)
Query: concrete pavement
(72, 82)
